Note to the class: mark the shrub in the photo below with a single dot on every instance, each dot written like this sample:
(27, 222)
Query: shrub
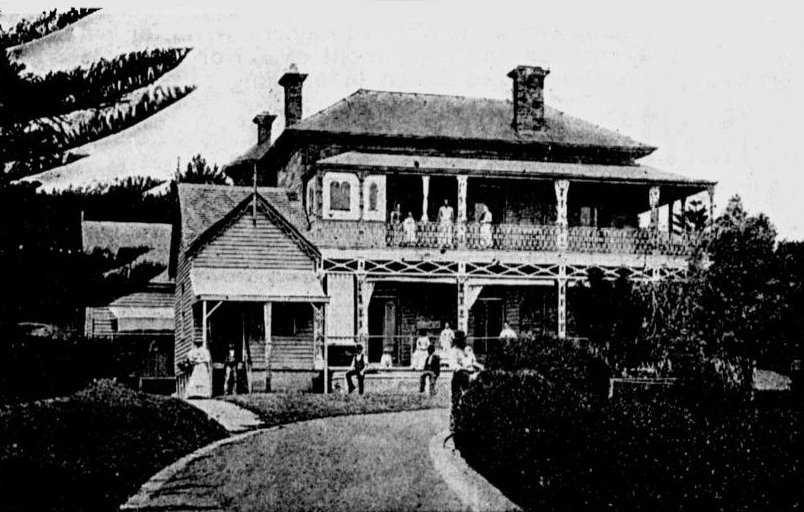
(91, 450)
(551, 447)
(557, 360)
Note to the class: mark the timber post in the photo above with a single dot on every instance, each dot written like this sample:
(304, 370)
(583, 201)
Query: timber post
(462, 217)
(562, 300)
(425, 198)
(562, 190)
(653, 199)
(711, 193)
(463, 310)
(267, 313)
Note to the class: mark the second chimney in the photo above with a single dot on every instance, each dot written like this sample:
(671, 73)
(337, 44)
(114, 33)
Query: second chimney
(528, 98)
(264, 121)
(292, 82)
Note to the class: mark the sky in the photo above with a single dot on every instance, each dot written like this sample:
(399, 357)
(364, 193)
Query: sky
(716, 86)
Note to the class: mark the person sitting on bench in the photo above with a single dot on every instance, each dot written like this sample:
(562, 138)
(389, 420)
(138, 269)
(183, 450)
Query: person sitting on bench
(432, 369)
(358, 369)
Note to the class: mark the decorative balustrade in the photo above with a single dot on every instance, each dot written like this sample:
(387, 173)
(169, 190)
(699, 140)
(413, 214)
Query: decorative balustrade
(508, 237)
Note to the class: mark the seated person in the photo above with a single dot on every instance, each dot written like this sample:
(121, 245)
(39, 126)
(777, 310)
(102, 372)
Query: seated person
(432, 369)
(386, 361)
(357, 369)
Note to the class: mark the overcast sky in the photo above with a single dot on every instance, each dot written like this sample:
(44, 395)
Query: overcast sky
(718, 88)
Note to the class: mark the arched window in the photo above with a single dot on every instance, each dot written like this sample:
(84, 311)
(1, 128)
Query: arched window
(374, 191)
(340, 195)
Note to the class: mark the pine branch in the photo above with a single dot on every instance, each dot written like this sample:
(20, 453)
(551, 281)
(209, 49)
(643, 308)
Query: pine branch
(48, 22)
(58, 135)
(103, 83)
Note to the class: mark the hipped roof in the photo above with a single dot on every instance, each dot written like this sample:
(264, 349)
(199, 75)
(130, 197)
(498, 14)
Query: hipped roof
(414, 115)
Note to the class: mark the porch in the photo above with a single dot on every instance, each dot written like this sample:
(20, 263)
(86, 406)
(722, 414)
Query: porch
(263, 329)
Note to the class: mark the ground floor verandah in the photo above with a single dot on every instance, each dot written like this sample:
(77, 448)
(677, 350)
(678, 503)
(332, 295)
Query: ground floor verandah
(388, 314)
(259, 346)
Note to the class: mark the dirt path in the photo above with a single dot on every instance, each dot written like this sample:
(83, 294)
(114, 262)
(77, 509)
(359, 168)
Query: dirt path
(369, 462)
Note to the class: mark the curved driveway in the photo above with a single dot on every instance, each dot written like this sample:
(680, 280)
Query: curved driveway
(369, 462)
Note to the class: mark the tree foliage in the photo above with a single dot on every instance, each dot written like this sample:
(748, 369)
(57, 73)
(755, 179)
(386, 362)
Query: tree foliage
(741, 304)
(199, 171)
(27, 30)
(43, 118)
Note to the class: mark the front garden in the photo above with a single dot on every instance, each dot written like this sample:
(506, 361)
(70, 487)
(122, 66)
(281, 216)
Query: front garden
(552, 441)
(541, 426)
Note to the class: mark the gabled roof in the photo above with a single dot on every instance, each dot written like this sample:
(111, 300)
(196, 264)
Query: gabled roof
(202, 206)
(511, 168)
(152, 295)
(113, 236)
(414, 115)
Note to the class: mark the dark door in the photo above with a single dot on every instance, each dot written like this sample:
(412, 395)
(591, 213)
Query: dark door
(488, 314)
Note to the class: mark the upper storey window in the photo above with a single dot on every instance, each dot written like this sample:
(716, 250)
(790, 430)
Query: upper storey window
(341, 196)
(374, 191)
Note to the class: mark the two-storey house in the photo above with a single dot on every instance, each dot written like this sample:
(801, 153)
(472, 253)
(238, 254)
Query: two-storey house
(407, 211)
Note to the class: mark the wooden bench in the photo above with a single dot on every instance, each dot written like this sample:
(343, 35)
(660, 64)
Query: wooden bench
(391, 381)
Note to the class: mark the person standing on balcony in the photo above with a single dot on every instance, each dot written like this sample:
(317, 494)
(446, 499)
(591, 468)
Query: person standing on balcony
(396, 215)
(486, 240)
(445, 224)
(409, 230)
(395, 224)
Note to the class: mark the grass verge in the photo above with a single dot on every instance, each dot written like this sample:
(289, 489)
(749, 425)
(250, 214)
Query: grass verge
(91, 450)
(280, 408)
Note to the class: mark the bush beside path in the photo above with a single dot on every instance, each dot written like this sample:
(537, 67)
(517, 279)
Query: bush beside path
(91, 450)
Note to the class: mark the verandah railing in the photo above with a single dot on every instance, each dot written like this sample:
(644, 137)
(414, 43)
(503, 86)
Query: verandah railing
(514, 237)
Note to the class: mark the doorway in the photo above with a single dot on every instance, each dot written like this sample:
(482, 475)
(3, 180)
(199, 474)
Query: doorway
(489, 314)
(383, 324)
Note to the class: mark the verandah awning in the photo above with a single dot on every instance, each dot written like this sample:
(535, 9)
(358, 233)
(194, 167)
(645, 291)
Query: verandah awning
(256, 284)
(135, 319)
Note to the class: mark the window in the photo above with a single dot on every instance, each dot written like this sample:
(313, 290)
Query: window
(340, 194)
(374, 191)
(283, 319)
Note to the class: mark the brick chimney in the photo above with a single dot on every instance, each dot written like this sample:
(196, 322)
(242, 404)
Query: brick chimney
(528, 98)
(292, 82)
(264, 121)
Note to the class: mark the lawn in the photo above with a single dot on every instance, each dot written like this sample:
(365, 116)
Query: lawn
(91, 450)
(280, 408)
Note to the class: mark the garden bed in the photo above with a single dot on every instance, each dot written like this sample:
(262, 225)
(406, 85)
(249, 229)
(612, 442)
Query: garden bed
(91, 450)
(549, 448)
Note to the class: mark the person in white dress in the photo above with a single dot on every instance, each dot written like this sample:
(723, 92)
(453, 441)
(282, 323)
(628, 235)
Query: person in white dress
(420, 354)
(445, 344)
(409, 230)
(445, 225)
(486, 240)
(200, 382)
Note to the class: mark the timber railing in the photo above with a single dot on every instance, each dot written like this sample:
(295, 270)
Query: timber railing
(509, 237)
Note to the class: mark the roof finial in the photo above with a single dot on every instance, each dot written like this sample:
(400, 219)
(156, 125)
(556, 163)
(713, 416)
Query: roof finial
(254, 198)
